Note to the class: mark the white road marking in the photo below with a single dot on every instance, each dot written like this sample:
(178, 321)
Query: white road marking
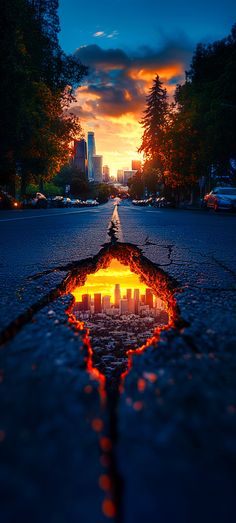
(47, 215)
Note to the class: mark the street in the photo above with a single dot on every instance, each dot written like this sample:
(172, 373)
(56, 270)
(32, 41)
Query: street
(173, 447)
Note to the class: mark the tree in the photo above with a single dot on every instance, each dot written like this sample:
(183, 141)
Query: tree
(136, 186)
(35, 92)
(201, 138)
(72, 176)
(154, 123)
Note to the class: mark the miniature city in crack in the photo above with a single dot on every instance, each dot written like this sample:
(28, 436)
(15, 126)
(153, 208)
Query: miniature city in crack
(121, 314)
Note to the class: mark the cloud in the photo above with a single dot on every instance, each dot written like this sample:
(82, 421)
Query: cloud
(98, 34)
(113, 96)
(102, 34)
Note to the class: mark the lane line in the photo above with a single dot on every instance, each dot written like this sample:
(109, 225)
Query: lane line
(48, 215)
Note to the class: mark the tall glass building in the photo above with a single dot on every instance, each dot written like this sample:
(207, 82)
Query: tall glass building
(91, 153)
(80, 156)
(97, 168)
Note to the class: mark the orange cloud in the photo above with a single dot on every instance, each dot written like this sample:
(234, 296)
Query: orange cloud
(165, 72)
(112, 101)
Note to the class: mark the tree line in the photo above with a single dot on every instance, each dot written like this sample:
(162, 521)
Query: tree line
(36, 90)
(189, 145)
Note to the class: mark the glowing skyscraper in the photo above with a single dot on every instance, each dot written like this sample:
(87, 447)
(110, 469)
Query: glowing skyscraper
(117, 295)
(97, 168)
(91, 153)
(80, 160)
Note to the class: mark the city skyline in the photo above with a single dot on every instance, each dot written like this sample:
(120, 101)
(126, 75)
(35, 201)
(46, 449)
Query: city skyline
(103, 281)
(132, 302)
(86, 159)
(123, 61)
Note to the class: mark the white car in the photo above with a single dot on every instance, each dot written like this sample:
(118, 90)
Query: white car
(221, 198)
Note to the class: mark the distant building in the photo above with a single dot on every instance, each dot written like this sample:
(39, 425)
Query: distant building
(117, 295)
(97, 168)
(136, 300)
(131, 306)
(106, 173)
(136, 165)
(128, 175)
(97, 303)
(124, 306)
(120, 176)
(149, 298)
(106, 303)
(86, 302)
(128, 294)
(80, 160)
(91, 153)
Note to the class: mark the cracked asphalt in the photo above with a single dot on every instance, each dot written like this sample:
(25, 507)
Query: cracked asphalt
(176, 434)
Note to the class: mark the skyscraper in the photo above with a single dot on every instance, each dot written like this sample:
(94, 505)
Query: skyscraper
(106, 303)
(128, 175)
(97, 303)
(136, 300)
(91, 153)
(86, 302)
(97, 168)
(106, 173)
(80, 160)
(124, 306)
(117, 295)
(149, 298)
(120, 176)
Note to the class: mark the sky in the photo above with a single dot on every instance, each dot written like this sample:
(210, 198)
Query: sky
(125, 44)
(104, 280)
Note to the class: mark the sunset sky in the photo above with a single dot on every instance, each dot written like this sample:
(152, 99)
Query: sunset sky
(125, 44)
(104, 280)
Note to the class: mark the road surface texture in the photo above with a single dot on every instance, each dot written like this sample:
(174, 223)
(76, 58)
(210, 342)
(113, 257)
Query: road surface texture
(164, 449)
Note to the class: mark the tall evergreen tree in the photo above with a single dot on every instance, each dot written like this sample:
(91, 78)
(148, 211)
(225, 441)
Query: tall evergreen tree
(154, 123)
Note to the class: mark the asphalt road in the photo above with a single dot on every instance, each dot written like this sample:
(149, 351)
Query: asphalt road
(175, 449)
(32, 241)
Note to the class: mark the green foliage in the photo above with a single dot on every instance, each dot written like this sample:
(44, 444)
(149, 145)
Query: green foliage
(70, 175)
(50, 189)
(154, 123)
(202, 135)
(37, 128)
(136, 186)
(196, 135)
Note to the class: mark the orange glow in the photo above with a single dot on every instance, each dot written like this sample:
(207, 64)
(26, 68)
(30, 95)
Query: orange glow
(166, 73)
(150, 376)
(141, 385)
(118, 132)
(105, 482)
(108, 508)
(97, 425)
(88, 389)
(108, 270)
(105, 444)
(103, 281)
(138, 405)
(94, 373)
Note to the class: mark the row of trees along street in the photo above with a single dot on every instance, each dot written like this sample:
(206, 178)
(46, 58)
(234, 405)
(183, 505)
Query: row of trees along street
(189, 145)
(36, 90)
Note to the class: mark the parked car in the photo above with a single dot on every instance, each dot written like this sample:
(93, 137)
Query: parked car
(39, 201)
(75, 202)
(221, 198)
(67, 202)
(57, 201)
(8, 202)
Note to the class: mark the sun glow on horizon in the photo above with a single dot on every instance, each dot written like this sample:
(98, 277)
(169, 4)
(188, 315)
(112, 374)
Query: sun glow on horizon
(104, 280)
